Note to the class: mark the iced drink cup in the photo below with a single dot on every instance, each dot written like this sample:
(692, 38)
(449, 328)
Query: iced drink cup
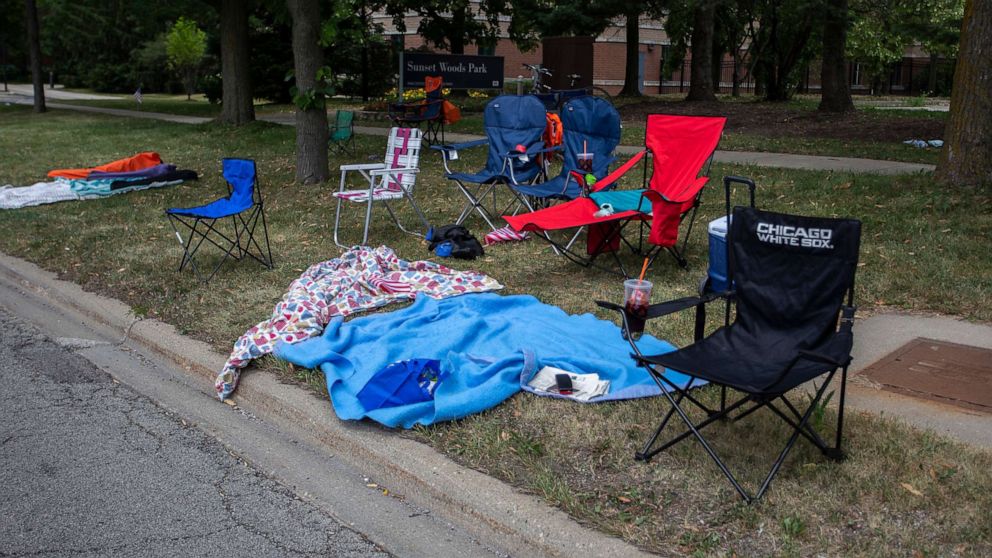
(585, 161)
(636, 298)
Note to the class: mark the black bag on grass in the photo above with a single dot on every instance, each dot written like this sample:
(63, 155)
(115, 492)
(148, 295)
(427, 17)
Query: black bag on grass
(454, 241)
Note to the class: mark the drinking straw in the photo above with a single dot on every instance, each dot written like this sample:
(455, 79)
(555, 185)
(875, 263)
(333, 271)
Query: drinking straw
(644, 269)
(585, 149)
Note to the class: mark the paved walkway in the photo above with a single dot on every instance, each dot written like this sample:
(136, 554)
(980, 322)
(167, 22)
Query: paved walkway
(59, 93)
(761, 159)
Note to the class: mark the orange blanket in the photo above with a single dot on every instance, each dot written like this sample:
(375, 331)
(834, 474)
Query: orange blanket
(133, 163)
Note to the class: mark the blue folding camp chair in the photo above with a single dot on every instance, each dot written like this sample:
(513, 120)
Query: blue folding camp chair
(243, 205)
(589, 125)
(512, 123)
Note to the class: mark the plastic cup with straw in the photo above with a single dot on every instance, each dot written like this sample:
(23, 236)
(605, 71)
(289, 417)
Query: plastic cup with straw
(636, 299)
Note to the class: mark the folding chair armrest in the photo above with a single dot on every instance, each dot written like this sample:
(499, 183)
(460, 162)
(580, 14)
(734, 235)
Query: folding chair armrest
(362, 166)
(383, 172)
(446, 148)
(609, 306)
(531, 151)
(684, 196)
(672, 306)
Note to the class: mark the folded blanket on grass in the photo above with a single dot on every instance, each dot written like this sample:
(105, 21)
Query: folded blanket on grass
(16, 197)
(362, 278)
(487, 346)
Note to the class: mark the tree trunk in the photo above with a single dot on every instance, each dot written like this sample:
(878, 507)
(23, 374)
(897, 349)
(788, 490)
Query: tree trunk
(932, 75)
(631, 75)
(364, 18)
(34, 49)
(701, 74)
(236, 105)
(735, 90)
(311, 124)
(457, 38)
(835, 90)
(968, 136)
(717, 67)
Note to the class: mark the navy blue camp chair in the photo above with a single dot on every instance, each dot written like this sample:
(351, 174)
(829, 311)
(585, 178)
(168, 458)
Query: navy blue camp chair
(587, 123)
(429, 111)
(243, 205)
(510, 121)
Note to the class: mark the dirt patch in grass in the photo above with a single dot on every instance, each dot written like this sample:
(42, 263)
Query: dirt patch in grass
(777, 120)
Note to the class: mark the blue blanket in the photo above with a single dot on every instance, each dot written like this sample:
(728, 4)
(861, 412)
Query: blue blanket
(488, 346)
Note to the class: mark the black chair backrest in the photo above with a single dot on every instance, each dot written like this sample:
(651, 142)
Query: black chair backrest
(791, 272)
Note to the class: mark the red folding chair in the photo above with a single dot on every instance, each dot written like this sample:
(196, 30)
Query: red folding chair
(680, 148)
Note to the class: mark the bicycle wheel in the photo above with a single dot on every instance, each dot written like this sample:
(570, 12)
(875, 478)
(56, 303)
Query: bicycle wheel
(600, 92)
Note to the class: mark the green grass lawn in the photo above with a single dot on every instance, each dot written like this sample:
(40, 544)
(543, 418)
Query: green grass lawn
(924, 249)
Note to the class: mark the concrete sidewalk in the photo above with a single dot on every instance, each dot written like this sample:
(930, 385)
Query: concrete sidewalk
(760, 159)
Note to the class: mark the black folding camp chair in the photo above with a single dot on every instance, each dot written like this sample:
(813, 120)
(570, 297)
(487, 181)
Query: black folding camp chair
(243, 205)
(789, 278)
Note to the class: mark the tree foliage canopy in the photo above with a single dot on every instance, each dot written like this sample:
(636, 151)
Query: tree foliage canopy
(185, 45)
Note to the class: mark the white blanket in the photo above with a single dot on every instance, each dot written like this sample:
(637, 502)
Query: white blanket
(13, 197)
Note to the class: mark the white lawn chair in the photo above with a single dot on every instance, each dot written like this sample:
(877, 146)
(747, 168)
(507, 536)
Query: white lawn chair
(390, 180)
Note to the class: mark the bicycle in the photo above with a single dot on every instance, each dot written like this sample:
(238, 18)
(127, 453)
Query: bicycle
(536, 71)
(592, 89)
(553, 99)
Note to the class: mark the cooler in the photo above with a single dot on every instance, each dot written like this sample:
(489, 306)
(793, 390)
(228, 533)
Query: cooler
(718, 254)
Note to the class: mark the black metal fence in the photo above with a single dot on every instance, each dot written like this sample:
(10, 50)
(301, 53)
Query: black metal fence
(911, 76)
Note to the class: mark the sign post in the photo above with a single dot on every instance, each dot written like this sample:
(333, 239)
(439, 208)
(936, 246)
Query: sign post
(399, 86)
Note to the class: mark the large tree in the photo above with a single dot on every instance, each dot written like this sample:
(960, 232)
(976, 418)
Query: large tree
(237, 107)
(701, 86)
(967, 155)
(34, 52)
(632, 60)
(834, 84)
(310, 91)
(781, 47)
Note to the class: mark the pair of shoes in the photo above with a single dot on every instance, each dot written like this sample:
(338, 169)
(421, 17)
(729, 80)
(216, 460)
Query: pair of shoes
(605, 210)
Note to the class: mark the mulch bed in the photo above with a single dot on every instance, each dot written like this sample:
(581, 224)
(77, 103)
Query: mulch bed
(781, 120)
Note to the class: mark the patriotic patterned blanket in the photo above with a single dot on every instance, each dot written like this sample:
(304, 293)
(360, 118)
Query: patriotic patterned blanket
(362, 278)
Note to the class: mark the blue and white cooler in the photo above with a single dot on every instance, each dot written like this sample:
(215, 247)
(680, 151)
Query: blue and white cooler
(718, 254)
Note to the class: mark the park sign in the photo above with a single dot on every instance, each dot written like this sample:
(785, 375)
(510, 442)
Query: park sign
(458, 70)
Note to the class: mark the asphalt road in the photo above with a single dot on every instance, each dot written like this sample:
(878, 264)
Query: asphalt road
(88, 467)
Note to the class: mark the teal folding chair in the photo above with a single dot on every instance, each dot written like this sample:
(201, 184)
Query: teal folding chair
(342, 136)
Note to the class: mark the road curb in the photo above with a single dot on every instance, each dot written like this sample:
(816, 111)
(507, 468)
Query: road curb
(487, 508)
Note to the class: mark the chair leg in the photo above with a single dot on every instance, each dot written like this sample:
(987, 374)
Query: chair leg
(368, 219)
(837, 452)
(423, 219)
(265, 231)
(694, 431)
(799, 428)
(475, 204)
(337, 214)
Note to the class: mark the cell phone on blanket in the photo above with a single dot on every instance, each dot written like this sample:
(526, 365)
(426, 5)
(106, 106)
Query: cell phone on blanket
(564, 383)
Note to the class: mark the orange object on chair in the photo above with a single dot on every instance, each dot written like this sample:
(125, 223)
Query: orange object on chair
(135, 162)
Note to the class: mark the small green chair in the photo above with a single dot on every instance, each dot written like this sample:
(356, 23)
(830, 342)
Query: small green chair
(342, 135)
